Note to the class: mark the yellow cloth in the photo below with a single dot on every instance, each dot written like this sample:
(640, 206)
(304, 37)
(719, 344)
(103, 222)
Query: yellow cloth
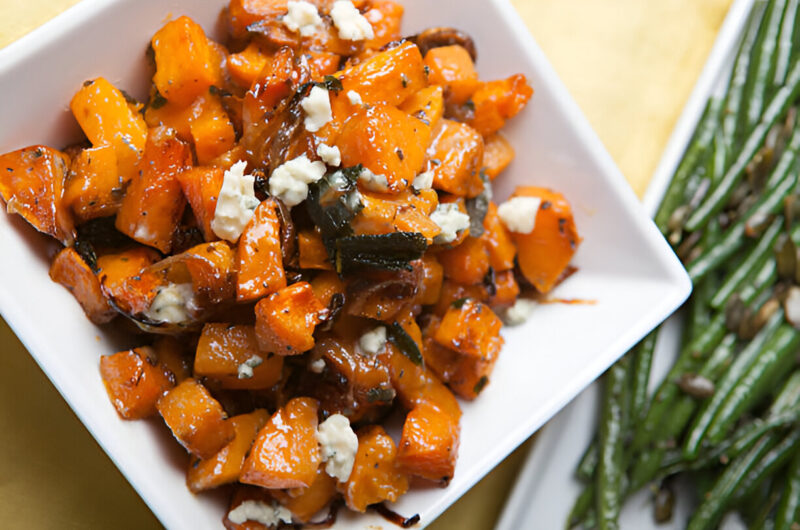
(630, 64)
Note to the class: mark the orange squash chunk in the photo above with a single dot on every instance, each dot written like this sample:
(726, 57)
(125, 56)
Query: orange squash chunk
(313, 254)
(223, 348)
(154, 202)
(69, 269)
(134, 382)
(455, 155)
(452, 68)
(242, 13)
(368, 381)
(385, 17)
(285, 453)
(499, 243)
(416, 384)
(186, 64)
(107, 118)
(466, 375)
(172, 358)
(259, 255)
(470, 329)
(325, 285)
(32, 185)
(506, 289)
(426, 105)
(497, 155)
(201, 187)
(452, 292)
(304, 503)
(94, 188)
(428, 447)
(403, 212)
(245, 66)
(212, 131)
(114, 269)
(225, 466)
(211, 268)
(387, 141)
(467, 263)
(430, 286)
(375, 476)
(497, 101)
(548, 249)
(196, 419)
(285, 320)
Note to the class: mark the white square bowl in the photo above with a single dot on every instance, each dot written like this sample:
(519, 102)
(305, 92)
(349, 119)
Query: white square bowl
(624, 264)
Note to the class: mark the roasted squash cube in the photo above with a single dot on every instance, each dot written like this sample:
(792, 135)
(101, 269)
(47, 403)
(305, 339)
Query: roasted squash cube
(455, 155)
(245, 66)
(134, 382)
(428, 447)
(230, 354)
(467, 263)
(259, 255)
(69, 269)
(212, 130)
(426, 105)
(305, 503)
(312, 251)
(94, 188)
(201, 187)
(114, 269)
(385, 17)
(196, 419)
(470, 328)
(497, 155)
(497, 101)
(452, 68)
(285, 320)
(286, 452)
(499, 243)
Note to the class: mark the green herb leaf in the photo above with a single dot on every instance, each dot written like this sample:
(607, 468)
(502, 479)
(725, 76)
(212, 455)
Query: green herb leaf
(478, 388)
(459, 303)
(385, 251)
(380, 395)
(157, 101)
(405, 343)
(331, 83)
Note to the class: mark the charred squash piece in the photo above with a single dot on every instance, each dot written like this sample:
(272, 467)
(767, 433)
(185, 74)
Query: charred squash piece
(453, 292)
(196, 419)
(211, 268)
(242, 13)
(428, 446)
(304, 503)
(506, 289)
(432, 274)
(451, 67)
(285, 453)
(286, 319)
(223, 352)
(107, 118)
(172, 356)
(114, 269)
(426, 105)
(32, 185)
(325, 285)
(497, 101)
(470, 328)
(226, 465)
(385, 17)
(455, 155)
(404, 212)
(375, 477)
(259, 258)
(497, 155)
(69, 269)
(467, 263)
(94, 188)
(201, 187)
(134, 382)
(212, 131)
(548, 249)
(499, 243)
(313, 254)
(245, 66)
(154, 202)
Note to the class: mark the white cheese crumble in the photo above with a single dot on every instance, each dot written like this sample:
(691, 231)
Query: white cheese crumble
(245, 370)
(354, 97)
(317, 105)
(338, 445)
(451, 220)
(351, 24)
(289, 182)
(302, 17)
(270, 515)
(317, 366)
(519, 213)
(171, 304)
(236, 203)
(423, 181)
(330, 155)
(372, 342)
(373, 181)
(520, 312)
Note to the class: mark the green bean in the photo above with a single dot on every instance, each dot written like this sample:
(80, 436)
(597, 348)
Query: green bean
(785, 43)
(757, 256)
(775, 459)
(789, 506)
(640, 377)
(718, 498)
(608, 497)
(762, 518)
(583, 505)
(764, 59)
(741, 69)
(646, 467)
(776, 357)
(588, 463)
(695, 152)
(745, 359)
(699, 315)
(788, 396)
(777, 107)
(719, 157)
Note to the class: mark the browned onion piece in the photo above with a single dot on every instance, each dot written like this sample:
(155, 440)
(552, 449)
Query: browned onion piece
(441, 36)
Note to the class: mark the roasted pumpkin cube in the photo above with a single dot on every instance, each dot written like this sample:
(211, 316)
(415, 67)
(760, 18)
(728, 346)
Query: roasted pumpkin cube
(428, 447)
(32, 185)
(107, 118)
(506, 289)
(497, 155)
(172, 357)
(325, 285)
(134, 382)
(499, 243)
(432, 274)
(94, 188)
(497, 101)
(426, 105)
(312, 251)
(186, 64)
(69, 269)
(386, 141)
(305, 503)
(154, 202)
(196, 419)
(545, 252)
(242, 13)
(382, 213)
(114, 269)
(230, 354)
(245, 66)
(385, 17)
(259, 258)
(452, 68)
(211, 268)
(212, 131)
(467, 263)
(453, 292)
(285, 453)
(466, 375)
(224, 467)
(470, 328)
(455, 155)
(375, 477)
(201, 187)
(285, 320)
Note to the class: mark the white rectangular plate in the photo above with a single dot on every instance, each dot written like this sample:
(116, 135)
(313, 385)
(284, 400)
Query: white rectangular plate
(624, 263)
(546, 488)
